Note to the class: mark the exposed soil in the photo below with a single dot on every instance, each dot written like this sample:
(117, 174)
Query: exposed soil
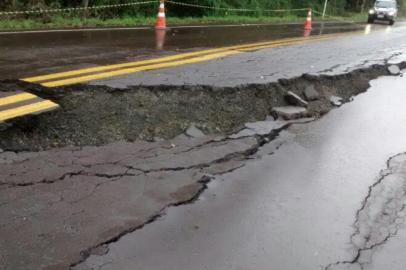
(97, 115)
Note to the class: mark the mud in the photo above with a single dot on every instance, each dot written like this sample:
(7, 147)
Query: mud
(98, 115)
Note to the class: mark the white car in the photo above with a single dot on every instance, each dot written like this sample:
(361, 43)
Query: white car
(386, 10)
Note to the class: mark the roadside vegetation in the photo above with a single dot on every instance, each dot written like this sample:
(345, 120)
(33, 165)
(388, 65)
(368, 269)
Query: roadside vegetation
(126, 21)
(137, 15)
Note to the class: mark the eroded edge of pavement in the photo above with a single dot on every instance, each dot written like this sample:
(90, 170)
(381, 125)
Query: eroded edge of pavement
(98, 115)
(193, 157)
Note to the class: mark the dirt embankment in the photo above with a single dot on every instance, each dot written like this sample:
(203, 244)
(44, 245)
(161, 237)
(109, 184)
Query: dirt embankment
(95, 115)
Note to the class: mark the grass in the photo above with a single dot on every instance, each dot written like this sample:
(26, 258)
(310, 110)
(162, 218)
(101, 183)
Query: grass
(77, 22)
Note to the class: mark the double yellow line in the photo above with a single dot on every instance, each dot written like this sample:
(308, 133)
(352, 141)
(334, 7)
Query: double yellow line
(100, 72)
(21, 104)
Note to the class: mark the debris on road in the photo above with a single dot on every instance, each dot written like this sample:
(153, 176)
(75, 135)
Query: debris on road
(310, 93)
(336, 101)
(265, 127)
(394, 69)
(260, 128)
(194, 132)
(295, 100)
(98, 115)
(289, 112)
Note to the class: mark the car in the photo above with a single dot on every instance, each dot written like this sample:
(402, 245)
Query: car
(385, 10)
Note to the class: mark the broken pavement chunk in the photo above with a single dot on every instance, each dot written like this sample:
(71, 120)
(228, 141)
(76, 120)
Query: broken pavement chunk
(259, 128)
(289, 112)
(194, 132)
(310, 93)
(336, 101)
(265, 127)
(394, 70)
(294, 99)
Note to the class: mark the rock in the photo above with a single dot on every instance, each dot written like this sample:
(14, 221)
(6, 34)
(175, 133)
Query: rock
(158, 139)
(394, 70)
(243, 133)
(336, 101)
(301, 120)
(289, 112)
(265, 127)
(259, 128)
(194, 132)
(310, 93)
(294, 99)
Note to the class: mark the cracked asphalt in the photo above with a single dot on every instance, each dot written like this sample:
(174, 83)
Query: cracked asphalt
(341, 55)
(52, 196)
(323, 195)
(316, 193)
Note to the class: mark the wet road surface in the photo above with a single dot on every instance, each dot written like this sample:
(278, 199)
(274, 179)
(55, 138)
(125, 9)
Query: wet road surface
(335, 55)
(333, 190)
(307, 198)
(37, 53)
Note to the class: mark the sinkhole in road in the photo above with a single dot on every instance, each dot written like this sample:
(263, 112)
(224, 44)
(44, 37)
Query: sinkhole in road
(97, 115)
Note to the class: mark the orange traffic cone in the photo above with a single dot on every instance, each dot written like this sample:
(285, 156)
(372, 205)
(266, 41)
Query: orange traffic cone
(161, 20)
(308, 22)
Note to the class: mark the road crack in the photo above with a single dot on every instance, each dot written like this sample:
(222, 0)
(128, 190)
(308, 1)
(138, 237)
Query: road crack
(203, 181)
(381, 214)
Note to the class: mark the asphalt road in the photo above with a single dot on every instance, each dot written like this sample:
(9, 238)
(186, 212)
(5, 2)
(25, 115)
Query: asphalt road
(36, 53)
(332, 50)
(332, 197)
(319, 194)
(333, 56)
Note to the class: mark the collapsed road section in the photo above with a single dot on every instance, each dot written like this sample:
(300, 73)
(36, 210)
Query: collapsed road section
(96, 115)
(86, 179)
(319, 199)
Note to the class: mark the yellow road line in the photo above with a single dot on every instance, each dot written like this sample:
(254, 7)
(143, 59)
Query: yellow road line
(16, 98)
(165, 65)
(153, 61)
(88, 74)
(288, 43)
(137, 69)
(27, 109)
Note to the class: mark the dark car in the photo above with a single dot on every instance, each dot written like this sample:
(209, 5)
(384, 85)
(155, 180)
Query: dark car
(386, 10)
